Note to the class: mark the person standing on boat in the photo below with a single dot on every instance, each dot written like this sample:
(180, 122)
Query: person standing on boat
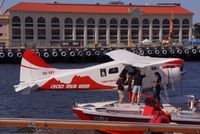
(157, 86)
(120, 89)
(129, 82)
(137, 87)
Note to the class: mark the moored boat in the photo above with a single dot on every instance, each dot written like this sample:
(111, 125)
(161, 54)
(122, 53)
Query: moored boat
(114, 111)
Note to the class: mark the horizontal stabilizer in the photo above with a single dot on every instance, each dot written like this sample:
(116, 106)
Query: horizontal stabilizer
(26, 88)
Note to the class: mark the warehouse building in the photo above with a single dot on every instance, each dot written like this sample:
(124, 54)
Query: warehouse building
(52, 24)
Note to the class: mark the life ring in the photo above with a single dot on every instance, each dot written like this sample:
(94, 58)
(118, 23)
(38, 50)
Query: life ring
(88, 53)
(186, 51)
(164, 51)
(179, 51)
(97, 53)
(141, 52)
(2, 55)
(157, 51)
(10, 54)
(72, 54)
(38, 53)
(172, 51)
(194, 51)
(63, 53)
(46, 54)
(54, 54)
(80, 53)
(149, 52)
(19, 54)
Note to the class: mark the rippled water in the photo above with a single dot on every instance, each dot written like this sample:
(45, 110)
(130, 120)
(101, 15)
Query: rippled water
(58, 104)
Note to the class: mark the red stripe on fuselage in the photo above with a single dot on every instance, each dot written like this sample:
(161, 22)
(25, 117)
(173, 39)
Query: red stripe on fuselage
(77, 83)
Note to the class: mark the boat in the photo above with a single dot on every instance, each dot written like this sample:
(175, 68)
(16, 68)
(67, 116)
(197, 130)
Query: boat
(114, 111)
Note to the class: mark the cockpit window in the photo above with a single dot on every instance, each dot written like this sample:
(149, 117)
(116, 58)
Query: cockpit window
(103, 72)
(113, 70)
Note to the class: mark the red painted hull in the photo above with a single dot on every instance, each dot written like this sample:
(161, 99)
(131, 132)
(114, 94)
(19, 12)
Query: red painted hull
(84, 116)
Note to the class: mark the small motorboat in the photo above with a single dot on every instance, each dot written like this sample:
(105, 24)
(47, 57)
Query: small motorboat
(114, 111)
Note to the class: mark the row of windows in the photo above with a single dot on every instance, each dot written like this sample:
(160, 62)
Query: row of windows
(55, 22)
(55, 33)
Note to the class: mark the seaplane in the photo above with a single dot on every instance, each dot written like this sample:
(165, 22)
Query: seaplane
(35, 74)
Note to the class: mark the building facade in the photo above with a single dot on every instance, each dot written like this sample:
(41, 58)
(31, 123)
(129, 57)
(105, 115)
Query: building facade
(4, 30)
(44, 24)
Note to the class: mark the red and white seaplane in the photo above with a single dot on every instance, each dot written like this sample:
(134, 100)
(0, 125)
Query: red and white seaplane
(36, 74)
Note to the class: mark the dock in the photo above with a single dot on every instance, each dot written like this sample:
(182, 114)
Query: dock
(93, 54)
(98, 125)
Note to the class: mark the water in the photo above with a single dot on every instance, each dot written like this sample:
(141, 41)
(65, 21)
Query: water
(58, 104)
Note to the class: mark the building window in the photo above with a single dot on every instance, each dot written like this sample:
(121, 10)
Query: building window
(16, 30)
(124, 34)
(145, 23)
(113, 34)
(90, 23)
(29, 33)
(29, 22)
(55, 22)
(102, 34)
(68, 23)
(124, 23)
(28, 27)
(166, 23)
(102, 23)
(55, 34)
(175, 23)
(113, 23)
(135, 23)
(185, 23)
(79, 23)
(1, 34)
(134, 35)
(41, 31)
(16, 33)
(41, 34)
(68, 34)
(155, 35)
(1, 25)
(156, 23)
(79, 34)
(41, 22)
(16, 22)
(185, 34)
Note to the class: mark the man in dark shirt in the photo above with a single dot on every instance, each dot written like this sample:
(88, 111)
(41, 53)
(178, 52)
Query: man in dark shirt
(137, 86)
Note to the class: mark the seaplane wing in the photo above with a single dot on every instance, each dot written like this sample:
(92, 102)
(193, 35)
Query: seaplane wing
(35, 74)
(135, 60)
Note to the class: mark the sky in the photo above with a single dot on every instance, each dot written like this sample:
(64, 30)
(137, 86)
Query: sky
(192, 5)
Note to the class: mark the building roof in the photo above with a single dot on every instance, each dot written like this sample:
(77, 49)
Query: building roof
(98, 8)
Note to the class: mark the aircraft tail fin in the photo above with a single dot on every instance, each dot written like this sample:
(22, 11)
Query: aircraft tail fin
(34, 68)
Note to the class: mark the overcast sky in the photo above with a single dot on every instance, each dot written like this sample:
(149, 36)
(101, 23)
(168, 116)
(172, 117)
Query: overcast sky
(192, 5)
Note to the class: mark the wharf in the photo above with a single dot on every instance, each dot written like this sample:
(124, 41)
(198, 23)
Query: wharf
(97, 125)
(97, 54)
